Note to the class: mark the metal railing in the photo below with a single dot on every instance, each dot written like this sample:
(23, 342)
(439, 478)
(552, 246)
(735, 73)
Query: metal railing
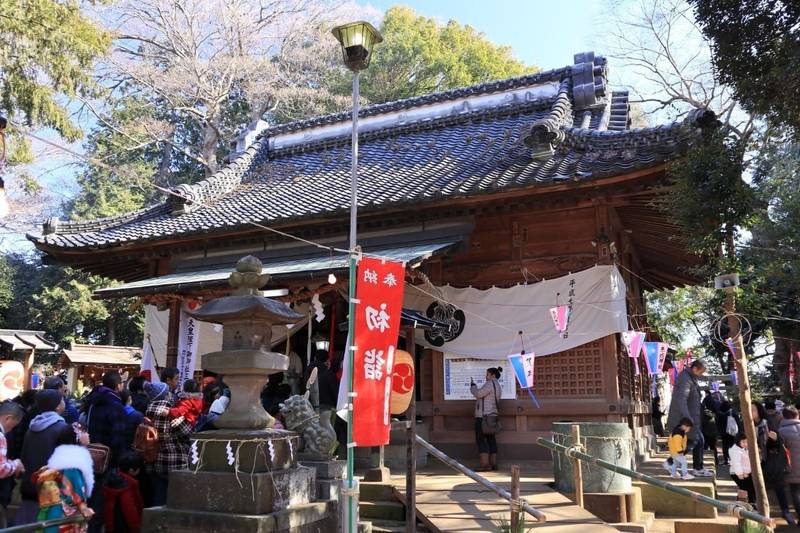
(455, 465)
(738, 510)
(39, 526)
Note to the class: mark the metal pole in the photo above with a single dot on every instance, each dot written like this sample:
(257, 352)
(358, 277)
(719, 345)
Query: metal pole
(411, 449)
(515, 498)
(576, 467)
(352, 504)
(745, 401)
(737, 510)
(503, 493)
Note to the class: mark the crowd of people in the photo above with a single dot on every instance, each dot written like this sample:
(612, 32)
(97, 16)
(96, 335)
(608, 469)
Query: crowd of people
(697, 423)
(106, 456)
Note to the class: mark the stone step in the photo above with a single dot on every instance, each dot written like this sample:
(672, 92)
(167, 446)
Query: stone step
(375, 492)
(382, 510)
(388, 526)
(666, 503)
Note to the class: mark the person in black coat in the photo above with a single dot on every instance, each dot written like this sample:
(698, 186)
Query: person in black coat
(138, 396)
(326, 379)
(40, 441)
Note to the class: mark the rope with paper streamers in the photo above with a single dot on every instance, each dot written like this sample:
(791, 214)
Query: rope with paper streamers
(197, 453)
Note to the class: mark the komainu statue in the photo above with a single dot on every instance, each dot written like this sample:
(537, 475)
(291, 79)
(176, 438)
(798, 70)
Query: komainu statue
(318, 439)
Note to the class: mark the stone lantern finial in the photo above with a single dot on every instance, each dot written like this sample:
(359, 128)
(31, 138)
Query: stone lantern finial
(248, 279)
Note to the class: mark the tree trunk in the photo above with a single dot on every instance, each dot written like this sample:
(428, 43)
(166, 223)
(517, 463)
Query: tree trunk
(780, 365)
(209, 149)
(111, 324)
(162, 179)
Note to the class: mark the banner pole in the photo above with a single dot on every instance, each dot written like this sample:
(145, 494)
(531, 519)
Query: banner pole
(352, 505)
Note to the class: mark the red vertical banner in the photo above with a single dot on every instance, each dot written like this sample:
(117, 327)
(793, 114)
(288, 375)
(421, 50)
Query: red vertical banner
(379, 290)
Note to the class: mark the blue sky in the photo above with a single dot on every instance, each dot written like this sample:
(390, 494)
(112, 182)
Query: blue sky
(545, 34)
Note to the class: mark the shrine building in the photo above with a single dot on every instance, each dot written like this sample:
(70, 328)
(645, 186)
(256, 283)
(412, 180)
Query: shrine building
(504, 199)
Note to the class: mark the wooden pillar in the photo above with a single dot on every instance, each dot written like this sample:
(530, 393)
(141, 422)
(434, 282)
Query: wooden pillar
(515, 498)
(172, 333)
(28, 366)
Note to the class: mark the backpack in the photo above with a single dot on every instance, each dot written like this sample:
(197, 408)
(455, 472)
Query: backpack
(731, 427)
(146, 441)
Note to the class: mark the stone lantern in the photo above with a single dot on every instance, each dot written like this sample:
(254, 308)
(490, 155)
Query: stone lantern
(244, 476)
(245, 360)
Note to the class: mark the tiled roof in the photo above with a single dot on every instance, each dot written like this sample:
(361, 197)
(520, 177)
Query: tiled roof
(555, 126)
(96, 354)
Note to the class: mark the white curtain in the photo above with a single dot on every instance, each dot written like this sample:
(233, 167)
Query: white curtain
(493, 317)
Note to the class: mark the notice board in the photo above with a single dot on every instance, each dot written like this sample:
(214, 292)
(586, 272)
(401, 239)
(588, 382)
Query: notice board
(458, 370)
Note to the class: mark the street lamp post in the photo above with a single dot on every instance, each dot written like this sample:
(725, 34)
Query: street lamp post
(357, 40)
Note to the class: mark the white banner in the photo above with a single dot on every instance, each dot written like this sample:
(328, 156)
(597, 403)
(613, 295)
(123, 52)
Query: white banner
(188, 337)
(484, 324)
(459, 371)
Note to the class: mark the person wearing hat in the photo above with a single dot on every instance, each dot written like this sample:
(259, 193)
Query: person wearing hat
(173, 441)
(39, 444)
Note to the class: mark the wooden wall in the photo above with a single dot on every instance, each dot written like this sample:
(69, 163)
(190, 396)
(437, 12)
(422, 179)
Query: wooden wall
(593, 382)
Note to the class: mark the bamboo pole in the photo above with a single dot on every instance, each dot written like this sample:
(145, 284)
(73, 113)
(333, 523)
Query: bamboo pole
(576, 467)
(411, 449)
(515, 498)
(736, 509)
(503, 493)
(745, 401)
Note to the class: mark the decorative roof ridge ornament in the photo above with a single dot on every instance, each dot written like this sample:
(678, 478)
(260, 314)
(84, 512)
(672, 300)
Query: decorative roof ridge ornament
(589, 80)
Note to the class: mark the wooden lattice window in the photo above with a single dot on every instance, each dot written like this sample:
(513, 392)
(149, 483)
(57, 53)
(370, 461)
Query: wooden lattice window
(576, 373)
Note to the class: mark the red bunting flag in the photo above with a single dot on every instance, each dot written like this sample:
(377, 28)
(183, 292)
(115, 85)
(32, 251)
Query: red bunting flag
(379, 290)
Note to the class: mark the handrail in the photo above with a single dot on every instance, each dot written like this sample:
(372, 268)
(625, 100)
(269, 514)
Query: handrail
(452, 463)
(735, 509)
(37, 526)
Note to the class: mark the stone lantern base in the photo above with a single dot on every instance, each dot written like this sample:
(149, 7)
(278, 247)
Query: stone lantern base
(263, 490)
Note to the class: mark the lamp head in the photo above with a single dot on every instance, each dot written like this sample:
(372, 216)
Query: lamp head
(357, 40)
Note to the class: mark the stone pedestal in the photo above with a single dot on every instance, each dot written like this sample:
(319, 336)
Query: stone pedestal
(329, 477)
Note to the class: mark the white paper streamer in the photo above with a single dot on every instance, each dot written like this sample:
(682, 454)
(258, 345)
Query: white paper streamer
(229, 452)
(291, 449)
(271, 451)
(319, 310)
(195, 453)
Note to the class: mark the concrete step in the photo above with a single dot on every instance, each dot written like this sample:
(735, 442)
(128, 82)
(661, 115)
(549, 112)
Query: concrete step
(375, 492)
(642, 525)
(381, 510)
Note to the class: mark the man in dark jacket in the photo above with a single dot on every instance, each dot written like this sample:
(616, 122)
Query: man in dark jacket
(326, 384)
(40, 441)
(686, 403)
(70, 411)
(105, 416)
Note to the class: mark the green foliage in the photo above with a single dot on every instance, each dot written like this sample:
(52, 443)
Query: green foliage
(59, 301)
(47, 49)
(709, 198)
(419, 56)
(756, 51)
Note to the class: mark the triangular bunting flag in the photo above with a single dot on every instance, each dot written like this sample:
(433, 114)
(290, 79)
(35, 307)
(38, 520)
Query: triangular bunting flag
(633, 341)
(560, 316)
